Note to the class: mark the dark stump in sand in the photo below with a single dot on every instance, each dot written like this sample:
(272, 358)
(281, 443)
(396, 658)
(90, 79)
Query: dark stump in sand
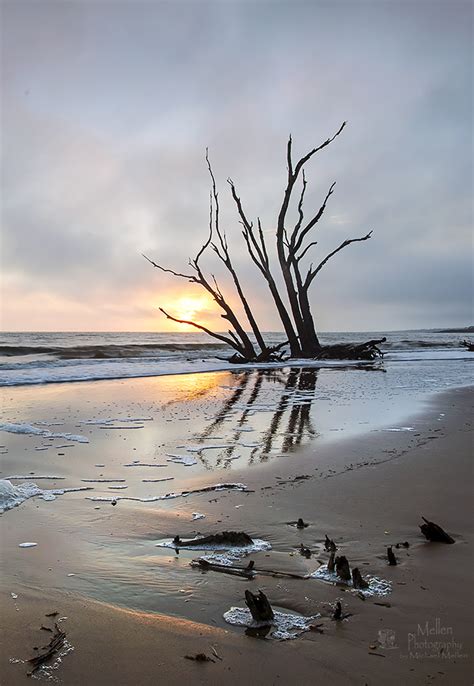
(331, 562)
(358, 580)
(337, 615)
(342, 568)
(259, 606)
(435, 533)
(392, 560)
(329, 544)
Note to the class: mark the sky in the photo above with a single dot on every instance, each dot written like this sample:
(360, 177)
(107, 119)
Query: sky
(106, 112)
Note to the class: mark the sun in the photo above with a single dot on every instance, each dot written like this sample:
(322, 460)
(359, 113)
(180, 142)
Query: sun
(190, 308)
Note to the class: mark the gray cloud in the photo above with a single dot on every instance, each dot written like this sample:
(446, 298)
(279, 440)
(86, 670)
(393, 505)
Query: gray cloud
(108, 106)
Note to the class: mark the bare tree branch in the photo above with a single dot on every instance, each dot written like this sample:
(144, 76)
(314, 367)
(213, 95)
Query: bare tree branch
(224, 255)
(297, 240)
(259, 256)
(300, 207)
(189, 277)
(303, 253)
(288, 157)
(219, 336)
(312, 272)
(249, 234)
(312, 152)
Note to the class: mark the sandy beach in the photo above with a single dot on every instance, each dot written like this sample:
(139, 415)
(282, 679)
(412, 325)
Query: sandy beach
(135, 610)
(236, 343)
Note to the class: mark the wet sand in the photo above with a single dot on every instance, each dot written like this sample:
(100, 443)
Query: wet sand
(366, 492)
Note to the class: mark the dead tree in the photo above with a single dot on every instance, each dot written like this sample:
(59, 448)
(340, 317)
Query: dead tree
(292, 246)
(236, 337)
(293, 243)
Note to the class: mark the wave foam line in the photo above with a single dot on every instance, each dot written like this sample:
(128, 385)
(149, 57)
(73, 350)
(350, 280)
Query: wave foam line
(169, 496)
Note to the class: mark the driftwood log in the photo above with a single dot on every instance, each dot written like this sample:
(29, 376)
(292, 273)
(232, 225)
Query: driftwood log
(248, 572)
(352, 351)
(259, 606)
(342, 568)
(368, 350)
(199, 657)
(49, 650)
(435, 533)
(226, 538)
(245, 572)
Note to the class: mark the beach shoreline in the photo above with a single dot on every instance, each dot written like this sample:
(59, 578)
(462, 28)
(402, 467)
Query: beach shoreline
(367, 492)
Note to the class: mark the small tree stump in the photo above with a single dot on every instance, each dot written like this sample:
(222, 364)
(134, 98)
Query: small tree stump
(300, 524)
(342, 568)
(337, 615)
(435, 533)
(331, 562)
(259, 606)
(329, 544)
(306, 552)
(358, 580)
(392, 560)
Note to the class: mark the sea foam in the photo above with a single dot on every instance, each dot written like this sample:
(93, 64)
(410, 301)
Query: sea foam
(377, 586)
(284, 626)
(35, 431)
(11, 496)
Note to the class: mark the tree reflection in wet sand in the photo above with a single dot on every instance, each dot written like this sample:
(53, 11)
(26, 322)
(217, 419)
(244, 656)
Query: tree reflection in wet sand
(289, 416)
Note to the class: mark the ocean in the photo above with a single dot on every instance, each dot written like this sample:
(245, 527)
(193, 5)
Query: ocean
(40, 358)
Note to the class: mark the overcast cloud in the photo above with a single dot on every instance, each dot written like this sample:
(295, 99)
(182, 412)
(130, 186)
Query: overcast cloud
(108, 107)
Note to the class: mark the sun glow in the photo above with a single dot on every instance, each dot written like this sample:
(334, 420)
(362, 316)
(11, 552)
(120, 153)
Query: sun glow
(190, 308)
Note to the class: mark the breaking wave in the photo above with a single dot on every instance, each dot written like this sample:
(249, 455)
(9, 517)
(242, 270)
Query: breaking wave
(37, 358)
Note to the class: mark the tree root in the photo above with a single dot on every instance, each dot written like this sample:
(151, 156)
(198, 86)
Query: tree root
(352, 351)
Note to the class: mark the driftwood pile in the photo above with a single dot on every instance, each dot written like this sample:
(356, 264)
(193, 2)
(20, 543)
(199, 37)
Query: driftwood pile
(48, 651)
(368, 350)
(352, 351)
(258, 604)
